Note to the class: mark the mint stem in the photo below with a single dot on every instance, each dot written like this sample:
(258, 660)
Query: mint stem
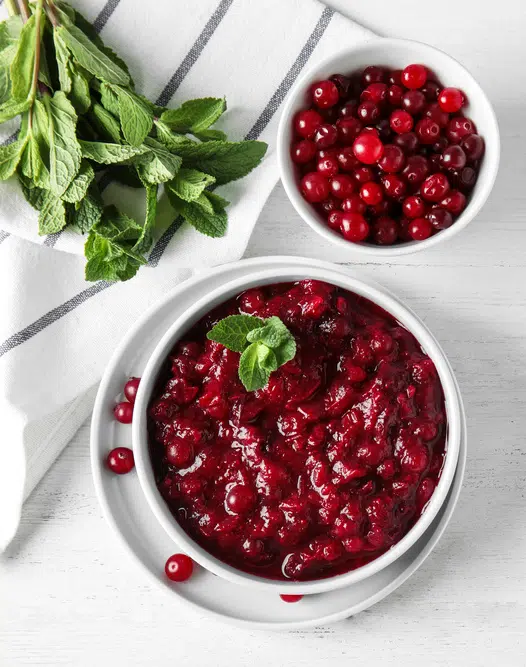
(51, 13)
(36, 65)
(12, 7)
(24, 10)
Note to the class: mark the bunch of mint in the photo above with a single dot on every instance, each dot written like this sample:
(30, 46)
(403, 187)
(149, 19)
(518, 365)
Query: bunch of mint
(265, 345)
(83, 125)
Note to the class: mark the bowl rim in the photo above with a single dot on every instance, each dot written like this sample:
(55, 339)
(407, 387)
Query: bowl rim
(378, 295)
(286, 168)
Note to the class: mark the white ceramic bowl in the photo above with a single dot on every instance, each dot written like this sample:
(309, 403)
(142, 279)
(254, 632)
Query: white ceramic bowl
(396, 54)
(177, 331)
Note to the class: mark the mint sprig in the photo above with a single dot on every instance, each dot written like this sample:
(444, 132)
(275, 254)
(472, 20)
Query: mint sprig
(264, 344)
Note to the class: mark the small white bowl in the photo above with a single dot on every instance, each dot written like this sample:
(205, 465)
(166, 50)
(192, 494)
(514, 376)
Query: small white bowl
(396, 54)
(184, 323)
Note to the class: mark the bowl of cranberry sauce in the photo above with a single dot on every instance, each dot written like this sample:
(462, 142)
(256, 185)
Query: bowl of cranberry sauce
(388, 148)
(328, 473)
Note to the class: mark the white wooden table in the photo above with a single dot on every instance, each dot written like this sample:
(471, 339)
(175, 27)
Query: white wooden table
(70, 596)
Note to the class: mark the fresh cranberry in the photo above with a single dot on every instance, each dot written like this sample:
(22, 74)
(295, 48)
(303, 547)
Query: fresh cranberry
(385, 231)
(394, 95)
(325, 136)
(348, 129)
(325, 94)
(291, 598)
(473, 146)
(451, 100)
(347, 160)
(123, 412)
(363, 174)
(440, 218)
(334, 220)
(384, 130)
(435, 187)
(420, 229)
(413, 207)
(408, 142)
(440, 145)
(436, 113)
(315, 187)
(413, 101)
(373, 74)
(427, 130)
(371, 193)
(393, 159)
(354, 227)
(240, 499)
(401, 121)
(349, 109)
(465, 179)
(342, 186)
(458, 128)
(368, 148)
(342, 83)
(416, 169)
(179, 452)
(395, 77)
(414, 76)
(327, 166)
(454, 202)
(303, 151)
(120, 460)
(368, 112)
(354, 204)
(454, 158)
(179, 567)
(394, 186)
(307, 122)
(130, 389)
(375, 92)
(431, 90)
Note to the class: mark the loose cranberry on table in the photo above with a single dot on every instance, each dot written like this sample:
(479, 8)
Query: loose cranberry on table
(331, 462)
(120, 460)
(123, 412)
(179, 567)
(369, 144)
(130, 389)
(291, 598)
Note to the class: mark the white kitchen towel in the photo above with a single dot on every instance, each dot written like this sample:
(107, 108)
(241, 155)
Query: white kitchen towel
(58, 331)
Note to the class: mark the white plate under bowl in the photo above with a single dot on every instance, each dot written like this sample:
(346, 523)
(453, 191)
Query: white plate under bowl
(128, 513)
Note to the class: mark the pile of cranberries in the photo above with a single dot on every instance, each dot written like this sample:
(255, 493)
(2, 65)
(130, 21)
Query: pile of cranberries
(326, 467)
(386, 157)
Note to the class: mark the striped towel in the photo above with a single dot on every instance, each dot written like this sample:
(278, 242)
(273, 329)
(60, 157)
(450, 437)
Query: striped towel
(57, 331)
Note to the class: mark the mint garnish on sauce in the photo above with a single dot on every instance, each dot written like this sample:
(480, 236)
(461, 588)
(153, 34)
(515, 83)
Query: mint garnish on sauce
(264, 344)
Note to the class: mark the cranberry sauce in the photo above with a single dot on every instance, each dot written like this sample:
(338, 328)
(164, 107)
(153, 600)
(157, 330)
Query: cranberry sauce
(326, 467)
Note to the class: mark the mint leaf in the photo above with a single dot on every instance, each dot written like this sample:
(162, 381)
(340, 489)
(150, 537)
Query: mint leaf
(218, 203)
(23, 62)
(105, 123)
(170, 139)
(78, 188)
(136, 117)
(205, 221)
(34, 196)
(12, 108)
(144, 242)
(62, 57)
(210, 135)
(10, 30)
(273, 334)
(158, 165)
(109, 99)
(35, 159)
(87, 54)
(232, 331)
(52, 216)
(285, 352)
(80, 93)
(190, 183)
(10, 157)
(267, 358)
(194, 115)
(106, 153)
(87, 212)
(226, 161)
(5, 84)
(64, 149)
(251, 373)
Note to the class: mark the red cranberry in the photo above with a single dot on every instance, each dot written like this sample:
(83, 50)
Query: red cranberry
(334, 220)
(427, 130)
(325, 136)
(363, 174)
(440, 218)
(240, 499)
(451, 100)
(394, 186)
(371, 193)
(307, 122)
(349, 110)
(465, 179)
(382, 208)
(384, 130)
(120, 460)
(327, 166)
(431, 90)
(342, 83)
(303, 151)
(385, 231)
(315, 187)
(440, 145)
(368, 148)
(342, 186)
(354, 204)
(454, 158)
(394, 95)
(473, 146)
(347, 159)
(395, 77)
(123, 412)
(348, 129)
(375, 92)
(130, 389)
(413, 101)
(414, 76)
(435, 163)
(413, 207)
(291, 598)
(330, 204)
(454, 202)
(373, 74)
(416, 169)
(401, 121)
(179, 567)
(180, 453)
(408, 142)
(434, 112)
(325, 94)
(435, 187)
(458, 128)
(393, 159)
(420, 229)
(354, 227)
(368, 113)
